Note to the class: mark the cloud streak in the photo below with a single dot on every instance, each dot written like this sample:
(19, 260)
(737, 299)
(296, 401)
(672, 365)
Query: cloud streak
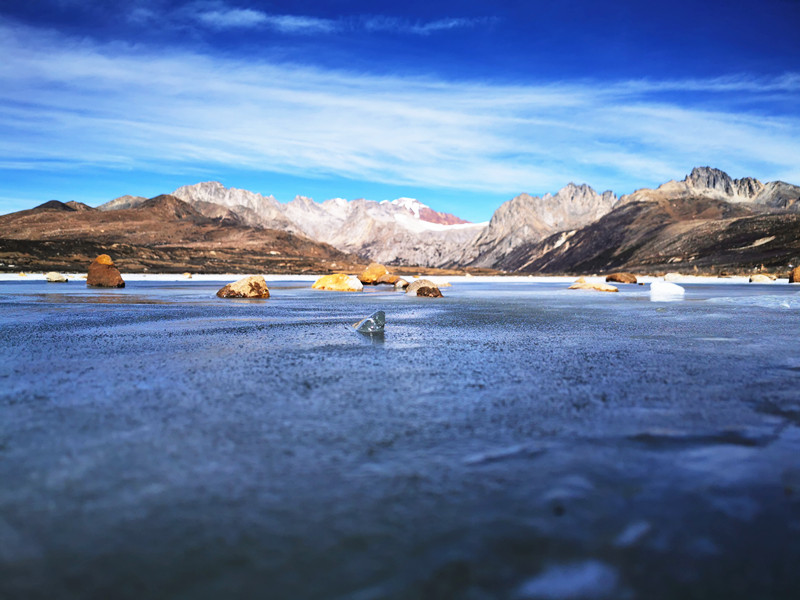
(219, 16)
(247, 18)
(66, 102)
(394, 25)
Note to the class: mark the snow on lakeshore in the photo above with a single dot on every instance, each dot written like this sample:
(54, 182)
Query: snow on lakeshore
(438, 279)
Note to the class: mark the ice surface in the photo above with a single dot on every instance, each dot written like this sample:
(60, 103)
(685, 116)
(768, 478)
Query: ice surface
(156, 441)
(589, 579)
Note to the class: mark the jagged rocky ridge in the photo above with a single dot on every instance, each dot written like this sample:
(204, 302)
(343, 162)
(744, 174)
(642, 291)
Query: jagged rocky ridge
(708, 220)
(400, 232)
(526, 219)
(707, 182)
(404, 231)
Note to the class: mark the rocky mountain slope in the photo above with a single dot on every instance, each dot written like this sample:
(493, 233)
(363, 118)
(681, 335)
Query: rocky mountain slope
(163, 234)
(687, 234)
(400, 232)
(526, 219)
(703, 222)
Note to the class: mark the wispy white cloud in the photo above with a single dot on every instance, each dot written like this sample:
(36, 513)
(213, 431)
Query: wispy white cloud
(223, 19)
(75, 103)
(395, 25)
(218, 15)
(248, 18)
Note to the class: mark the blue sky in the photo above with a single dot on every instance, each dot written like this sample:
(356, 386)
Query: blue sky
(459, 104)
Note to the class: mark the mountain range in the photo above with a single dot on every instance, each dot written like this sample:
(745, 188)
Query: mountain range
(706, 222)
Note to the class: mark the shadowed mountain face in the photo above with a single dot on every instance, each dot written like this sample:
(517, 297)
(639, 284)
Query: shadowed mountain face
(163, 234)
(682, 234)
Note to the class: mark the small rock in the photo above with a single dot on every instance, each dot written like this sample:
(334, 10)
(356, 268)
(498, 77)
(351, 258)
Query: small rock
(372, 274)
(582, 284)
(429, 292)
(401, 284)
(338, 282)
(760, 279)
(794, 276)
(372, 324)
(414, 287)
(673, 277)
(187, 275)
(103, 273)
(53, 277)
(388, 279)
(621, 278)
(254, 286)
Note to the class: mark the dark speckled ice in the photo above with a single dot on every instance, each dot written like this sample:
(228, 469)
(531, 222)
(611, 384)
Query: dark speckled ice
(511, 440)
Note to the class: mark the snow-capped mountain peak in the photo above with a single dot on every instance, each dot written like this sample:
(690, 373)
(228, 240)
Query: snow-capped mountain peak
(413, 205)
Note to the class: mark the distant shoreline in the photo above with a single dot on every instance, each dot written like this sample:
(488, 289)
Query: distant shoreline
(209, 277)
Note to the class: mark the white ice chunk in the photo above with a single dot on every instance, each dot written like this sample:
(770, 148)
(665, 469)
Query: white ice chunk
(664, 291)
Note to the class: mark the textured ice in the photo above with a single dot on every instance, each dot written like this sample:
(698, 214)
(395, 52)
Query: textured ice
(784, 301)
(589, 579)
(153, 438)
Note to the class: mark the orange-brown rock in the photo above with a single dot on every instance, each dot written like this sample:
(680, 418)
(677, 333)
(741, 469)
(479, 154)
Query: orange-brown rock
(388, 279)
(621, 278)
(103, 273)
(338, 282)
(794, 276)
(249, 287)
(372, 274)
(582, 284)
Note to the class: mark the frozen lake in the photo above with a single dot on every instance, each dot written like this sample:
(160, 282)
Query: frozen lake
(511, 440)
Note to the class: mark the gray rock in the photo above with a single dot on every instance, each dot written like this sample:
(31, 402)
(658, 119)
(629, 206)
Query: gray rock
(418, 284)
